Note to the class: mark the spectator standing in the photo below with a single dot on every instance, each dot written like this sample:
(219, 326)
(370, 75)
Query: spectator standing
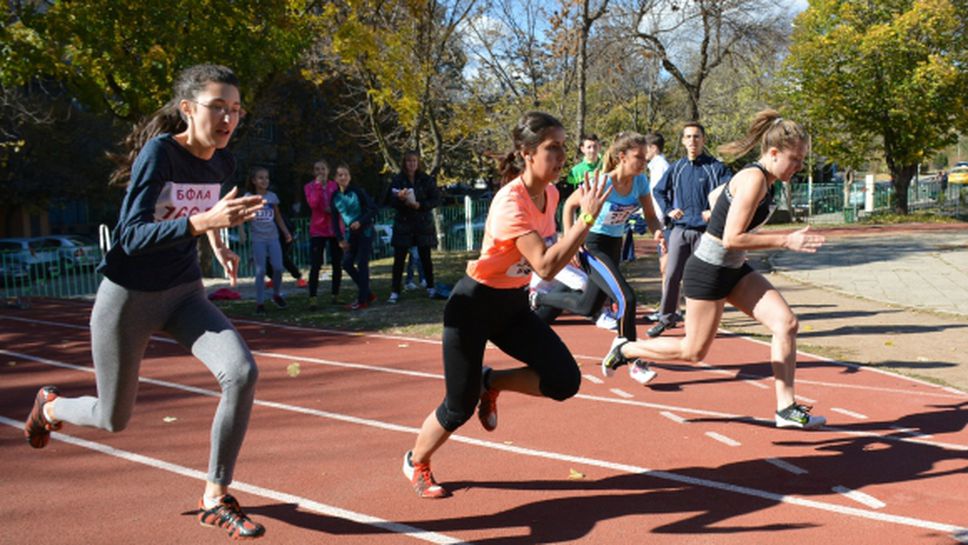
(413, 193)
(683, 195)
(319, 194)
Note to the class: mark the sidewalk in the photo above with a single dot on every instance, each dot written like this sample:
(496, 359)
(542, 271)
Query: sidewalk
(897, 299)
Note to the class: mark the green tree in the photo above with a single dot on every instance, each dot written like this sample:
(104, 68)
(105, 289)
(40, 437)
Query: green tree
(122, 56)
(885, 76)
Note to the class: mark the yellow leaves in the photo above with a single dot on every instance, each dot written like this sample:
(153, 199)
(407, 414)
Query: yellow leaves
(293, 370)
(169, 419)
(575, 475)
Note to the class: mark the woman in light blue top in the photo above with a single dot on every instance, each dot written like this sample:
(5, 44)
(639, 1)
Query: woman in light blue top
(623, 165)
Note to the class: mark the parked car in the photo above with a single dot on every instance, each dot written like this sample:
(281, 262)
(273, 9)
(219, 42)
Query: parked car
(958, 175)
(13, 268)
(74, 250)
(39, 261)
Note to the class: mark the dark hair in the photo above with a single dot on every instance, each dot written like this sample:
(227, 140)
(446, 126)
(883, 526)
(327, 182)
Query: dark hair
(250, 179)
(323, 162)
(696, 124)
(591, 136)
(655, 139)
(769, 130)
(343, 166)
(403, 160)
(530, 132)
(623, 141)
(189, 83)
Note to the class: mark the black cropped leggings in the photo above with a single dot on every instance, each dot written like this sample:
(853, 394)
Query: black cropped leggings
(475, 314)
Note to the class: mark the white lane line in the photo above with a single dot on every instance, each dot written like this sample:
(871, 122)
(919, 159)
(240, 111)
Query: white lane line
(633, 402)
(910, 431)
(268, 493)
(949, 392)
(851, 414)
(614, 466)
(674, 417)
(787, 466)
(805, 399)
(759, 385)
(723, 439)
(593, 379)
(621, 393)
(859, 497)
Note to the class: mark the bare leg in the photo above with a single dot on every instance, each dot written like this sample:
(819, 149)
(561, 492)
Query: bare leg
(755, 296)
(431, 437)
(702, 321)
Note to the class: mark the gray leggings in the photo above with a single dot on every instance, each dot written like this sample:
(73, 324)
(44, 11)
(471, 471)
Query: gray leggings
(122, 322)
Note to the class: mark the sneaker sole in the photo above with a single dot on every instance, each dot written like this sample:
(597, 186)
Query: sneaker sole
(784, 423)
(642, 377)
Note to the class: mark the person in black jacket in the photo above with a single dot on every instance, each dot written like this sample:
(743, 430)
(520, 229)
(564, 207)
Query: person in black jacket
(413, 193)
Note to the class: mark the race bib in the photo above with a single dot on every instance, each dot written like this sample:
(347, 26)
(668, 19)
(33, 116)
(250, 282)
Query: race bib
(178, 200)
(618, 213)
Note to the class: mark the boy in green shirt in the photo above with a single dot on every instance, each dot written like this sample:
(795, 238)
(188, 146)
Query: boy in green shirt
(590, 146)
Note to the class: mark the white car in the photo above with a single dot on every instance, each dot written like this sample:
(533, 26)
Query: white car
(74, 250)
(39, 261)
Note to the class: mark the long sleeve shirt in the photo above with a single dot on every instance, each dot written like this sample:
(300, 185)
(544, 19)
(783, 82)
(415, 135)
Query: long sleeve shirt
(153, 248)
(686, 186)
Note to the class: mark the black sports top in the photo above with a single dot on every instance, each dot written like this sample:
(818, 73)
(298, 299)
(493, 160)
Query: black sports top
(717, 221)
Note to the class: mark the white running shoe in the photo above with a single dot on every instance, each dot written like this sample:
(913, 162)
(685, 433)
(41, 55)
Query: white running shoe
(394, 297)
(641, 372)
(614, 358)
(607, 321)
(798, 416)
(410, 286)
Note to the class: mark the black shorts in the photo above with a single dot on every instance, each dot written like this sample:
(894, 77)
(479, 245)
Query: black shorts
(701, 280)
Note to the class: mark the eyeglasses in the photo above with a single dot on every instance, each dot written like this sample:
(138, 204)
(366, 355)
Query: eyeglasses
(222, 110)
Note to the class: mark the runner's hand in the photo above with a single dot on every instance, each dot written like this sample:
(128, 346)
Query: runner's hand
(229, 261)
(229, 211)
(803, 241)
(593, 193)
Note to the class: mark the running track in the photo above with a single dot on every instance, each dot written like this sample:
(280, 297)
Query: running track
(691, 459)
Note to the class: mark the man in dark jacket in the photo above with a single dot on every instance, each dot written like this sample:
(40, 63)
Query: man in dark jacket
(683, 195)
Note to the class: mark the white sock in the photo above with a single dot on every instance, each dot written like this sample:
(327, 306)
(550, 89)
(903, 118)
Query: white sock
(210, 502)
(48, 407)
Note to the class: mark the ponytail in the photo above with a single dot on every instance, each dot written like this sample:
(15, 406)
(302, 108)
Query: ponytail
(769, 130)
(165, 119)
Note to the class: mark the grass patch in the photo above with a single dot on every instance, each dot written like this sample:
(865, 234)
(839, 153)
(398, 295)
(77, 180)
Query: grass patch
(892, 218)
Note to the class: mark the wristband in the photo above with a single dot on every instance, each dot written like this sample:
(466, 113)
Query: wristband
(586, 218)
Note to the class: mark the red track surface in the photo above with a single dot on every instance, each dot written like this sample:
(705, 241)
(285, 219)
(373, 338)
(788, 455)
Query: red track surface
(321, 461)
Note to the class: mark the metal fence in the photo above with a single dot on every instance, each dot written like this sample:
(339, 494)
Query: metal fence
(459, 228)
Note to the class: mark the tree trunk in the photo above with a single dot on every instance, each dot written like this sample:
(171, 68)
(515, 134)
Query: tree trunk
(901, 180)
(582, 63)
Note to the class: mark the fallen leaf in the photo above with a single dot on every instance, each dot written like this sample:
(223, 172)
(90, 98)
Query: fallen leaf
(293, 369)
(922, 358)
(575, 475)
(169, 419)
(808, 328)
(888, 343)
(509, 442)
(404, 345)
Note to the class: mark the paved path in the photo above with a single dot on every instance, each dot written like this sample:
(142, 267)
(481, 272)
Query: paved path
(921, 270)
